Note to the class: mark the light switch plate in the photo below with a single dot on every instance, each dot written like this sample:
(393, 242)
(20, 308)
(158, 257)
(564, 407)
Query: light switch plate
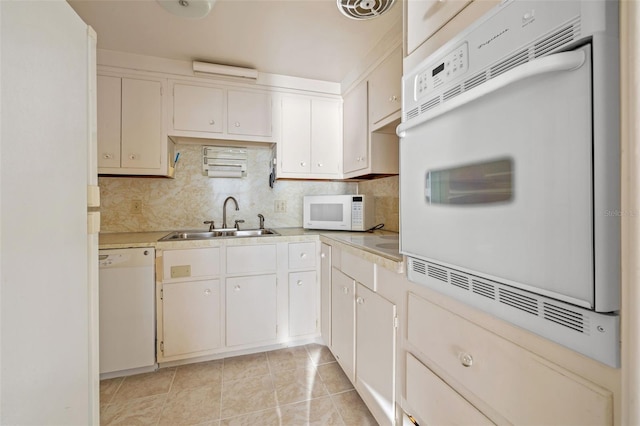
(181, 271)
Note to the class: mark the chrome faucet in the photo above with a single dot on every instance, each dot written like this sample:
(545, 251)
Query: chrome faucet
(261, 221)
(224, 210)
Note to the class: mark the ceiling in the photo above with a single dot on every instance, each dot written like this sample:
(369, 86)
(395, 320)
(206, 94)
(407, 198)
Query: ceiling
(301, 38)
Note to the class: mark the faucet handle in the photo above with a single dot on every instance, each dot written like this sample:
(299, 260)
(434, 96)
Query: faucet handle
(238, 222)
(211, 224)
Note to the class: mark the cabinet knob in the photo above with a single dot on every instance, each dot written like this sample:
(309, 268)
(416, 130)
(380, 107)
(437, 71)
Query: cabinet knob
(359, 300)
(236, 287)
(322, 255)
(133, 157)
(466, 359)
(303, 164)
(319, 164)
(237, 124)
(107, 156)
(207, 292)
(212, 122)
(393, 98)
(303, 255)
(299, 283)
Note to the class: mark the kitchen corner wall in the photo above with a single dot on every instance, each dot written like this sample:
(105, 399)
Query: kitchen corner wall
(386, 192)
(191, 198)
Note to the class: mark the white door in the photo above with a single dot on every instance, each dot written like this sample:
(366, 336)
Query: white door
(376, 348)
(356, 129)
(326, 137)
(343, 321)
(303, 311)
(251, 309)
(191, 317)
(197, 108)
(295, 155)
(488, 189)
(248, 113)
(109, 102)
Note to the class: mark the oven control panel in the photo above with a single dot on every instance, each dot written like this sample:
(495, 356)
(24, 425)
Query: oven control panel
(451, 66)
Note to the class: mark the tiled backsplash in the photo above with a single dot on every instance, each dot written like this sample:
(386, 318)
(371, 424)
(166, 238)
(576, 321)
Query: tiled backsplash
(191, 198)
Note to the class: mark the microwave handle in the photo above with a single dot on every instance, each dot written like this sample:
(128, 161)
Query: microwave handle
(566, 61)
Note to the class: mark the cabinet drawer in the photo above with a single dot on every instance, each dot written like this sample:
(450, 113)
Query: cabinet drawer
(433, 402)
(188, 264)
(302, 255)
(248, 259)
(523, 387)
(359, 269)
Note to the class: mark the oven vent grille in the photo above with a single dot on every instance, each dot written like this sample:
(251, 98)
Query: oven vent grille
(429, 104)
(460, 281)
(559, 38)
(412, 114)
(509, 63)
(476, 291)
(518, 301)
(437, 273)
(475, 81)
(566, 317)
(451, 93)
(547, 44)
(483, 288)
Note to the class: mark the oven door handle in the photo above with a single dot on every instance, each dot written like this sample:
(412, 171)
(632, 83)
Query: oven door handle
(566, 61)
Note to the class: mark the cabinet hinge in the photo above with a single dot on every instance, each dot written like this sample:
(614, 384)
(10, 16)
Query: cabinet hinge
(161, 294)
(395, 322)
(162, 347)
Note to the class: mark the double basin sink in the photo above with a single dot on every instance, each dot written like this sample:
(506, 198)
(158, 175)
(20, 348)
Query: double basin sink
(220, 233)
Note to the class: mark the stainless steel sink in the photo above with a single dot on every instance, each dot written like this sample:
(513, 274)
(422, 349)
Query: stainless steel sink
(222, 233)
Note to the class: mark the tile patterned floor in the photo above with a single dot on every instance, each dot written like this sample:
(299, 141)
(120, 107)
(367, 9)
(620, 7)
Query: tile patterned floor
(294, 386)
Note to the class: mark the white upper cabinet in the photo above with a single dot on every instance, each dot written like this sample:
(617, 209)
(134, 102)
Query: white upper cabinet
(249, 113)
(425, 17)
(385, 91)
(310, 137)
(131, 136)
(356, 127)
(197, 108)
(201, 110)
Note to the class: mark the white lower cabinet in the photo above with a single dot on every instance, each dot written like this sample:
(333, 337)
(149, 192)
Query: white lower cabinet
(303, 312)
(433, 402)
(376, 352)
(343, 321)
(251, 309)
(191, 317)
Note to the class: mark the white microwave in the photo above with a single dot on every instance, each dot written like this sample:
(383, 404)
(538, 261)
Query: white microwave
(338, 212)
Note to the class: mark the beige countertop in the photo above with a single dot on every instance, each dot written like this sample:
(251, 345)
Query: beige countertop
(376, 247)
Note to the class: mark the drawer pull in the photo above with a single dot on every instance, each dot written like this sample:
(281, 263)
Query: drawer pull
(212, 122)
(303, 255)
(207, 292)
(359, 300)
(236, 288)
(466, 359)
(299, 283)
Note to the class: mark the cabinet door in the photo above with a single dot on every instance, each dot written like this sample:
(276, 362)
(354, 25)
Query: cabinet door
(356, 141)
(248, 113)
(302, 255)
(326, 136)
(325, 293)
(375, 350)
(343, 321)
(425, 17)
(251, 309)
(109, 104)
(433, 402)
(141, 123)
(295, 154)
(303, 311)
(197, 108)
(191, 317)
(385, 88)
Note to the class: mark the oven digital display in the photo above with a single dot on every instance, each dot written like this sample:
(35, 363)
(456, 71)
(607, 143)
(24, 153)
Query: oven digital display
(437, 70)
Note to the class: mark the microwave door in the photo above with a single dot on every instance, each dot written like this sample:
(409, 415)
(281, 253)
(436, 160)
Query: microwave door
(501, 186)
(332, 215)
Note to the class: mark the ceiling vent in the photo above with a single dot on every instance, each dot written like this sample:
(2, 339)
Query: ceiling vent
(364, 9)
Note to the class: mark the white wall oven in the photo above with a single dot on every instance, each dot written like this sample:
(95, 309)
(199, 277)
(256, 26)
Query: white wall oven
(509, 179)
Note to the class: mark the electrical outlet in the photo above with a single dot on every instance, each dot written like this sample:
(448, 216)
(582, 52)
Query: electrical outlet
(136, 207)
(280, 206)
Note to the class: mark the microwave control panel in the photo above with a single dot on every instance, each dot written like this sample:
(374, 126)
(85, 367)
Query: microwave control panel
(356, 213)
(451, 66)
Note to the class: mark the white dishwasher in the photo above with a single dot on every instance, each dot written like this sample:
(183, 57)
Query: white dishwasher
(127, 311)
